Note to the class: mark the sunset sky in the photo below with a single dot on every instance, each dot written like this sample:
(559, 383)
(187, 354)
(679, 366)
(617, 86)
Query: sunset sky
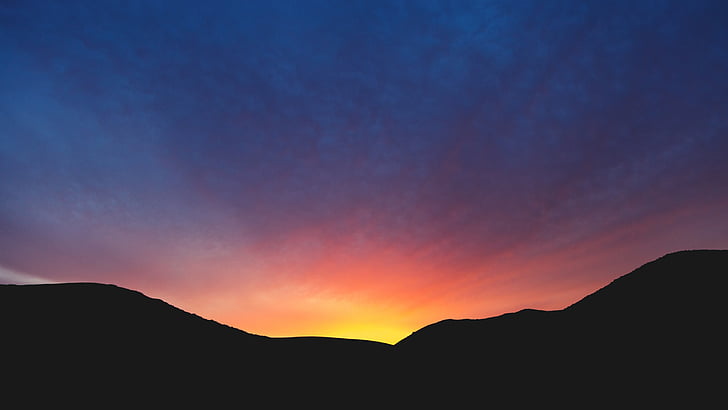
(359, 168)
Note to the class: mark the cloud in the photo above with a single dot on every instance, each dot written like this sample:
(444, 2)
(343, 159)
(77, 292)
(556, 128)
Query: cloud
(12, 277)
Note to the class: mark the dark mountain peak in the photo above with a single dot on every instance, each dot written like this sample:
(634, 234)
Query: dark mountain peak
(651, 335)
(674, 286)
(114, 341)
(474, 333)
(657, 329)
(95, 317)
(680, 281)
(70, 289)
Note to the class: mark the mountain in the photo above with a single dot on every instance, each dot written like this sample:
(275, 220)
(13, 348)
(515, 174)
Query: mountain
(681, 286)
(650, 337)
(100, 341)
(652, 334)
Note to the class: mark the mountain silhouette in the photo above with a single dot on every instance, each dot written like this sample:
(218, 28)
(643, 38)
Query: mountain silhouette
(653, 336)
(114, 342)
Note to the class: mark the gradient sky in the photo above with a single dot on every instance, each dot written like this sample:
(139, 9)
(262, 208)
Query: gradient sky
(359, 168)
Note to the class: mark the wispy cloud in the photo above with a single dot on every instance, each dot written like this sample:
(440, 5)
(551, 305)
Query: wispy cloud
(8, 276)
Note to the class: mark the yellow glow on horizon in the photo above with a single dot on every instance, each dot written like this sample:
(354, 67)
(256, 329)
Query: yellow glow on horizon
(382, 295)
(382, 332)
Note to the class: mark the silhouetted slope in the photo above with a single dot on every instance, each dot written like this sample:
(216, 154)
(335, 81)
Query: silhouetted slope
(108, 321)
(678, 282)
(656, 328)
(650, 337)
(680, 285)
(103, 313)
(114, 342)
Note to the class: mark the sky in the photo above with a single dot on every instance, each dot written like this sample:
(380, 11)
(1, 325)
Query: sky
(359, 168)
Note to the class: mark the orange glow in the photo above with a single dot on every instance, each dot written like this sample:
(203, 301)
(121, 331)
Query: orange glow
(318, 283)
(371, 292)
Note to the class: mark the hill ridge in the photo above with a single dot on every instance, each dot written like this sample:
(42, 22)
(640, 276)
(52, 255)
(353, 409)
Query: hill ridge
(657, 327)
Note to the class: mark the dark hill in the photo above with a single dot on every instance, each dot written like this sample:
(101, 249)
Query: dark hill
(650, 337)
(99, 341)
(94, 315)
(679, 287)
(655, 334)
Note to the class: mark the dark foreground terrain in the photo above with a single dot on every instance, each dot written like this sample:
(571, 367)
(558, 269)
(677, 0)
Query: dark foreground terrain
(652, 337)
